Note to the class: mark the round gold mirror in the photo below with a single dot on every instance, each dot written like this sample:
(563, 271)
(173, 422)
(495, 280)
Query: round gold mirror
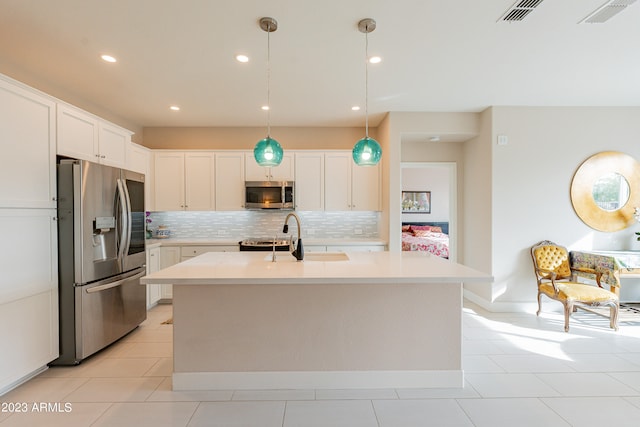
(604, 191)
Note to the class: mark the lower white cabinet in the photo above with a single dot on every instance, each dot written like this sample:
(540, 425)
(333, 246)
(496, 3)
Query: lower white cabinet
(355, 248)
(154, 292)
(28, 293)
(188, 252)
(169, 255)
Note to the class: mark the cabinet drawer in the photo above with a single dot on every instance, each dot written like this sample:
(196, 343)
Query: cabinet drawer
(191, 251)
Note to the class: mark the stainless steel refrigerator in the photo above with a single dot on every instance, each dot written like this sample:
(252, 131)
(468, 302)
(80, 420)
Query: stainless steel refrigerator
(101, 256)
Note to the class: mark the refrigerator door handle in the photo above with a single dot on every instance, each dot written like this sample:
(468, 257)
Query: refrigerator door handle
(129, 217)
(114, 284)
(124, 220)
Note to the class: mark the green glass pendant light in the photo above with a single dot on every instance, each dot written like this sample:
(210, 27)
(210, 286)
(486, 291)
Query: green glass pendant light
(268, 151)
(367, 151)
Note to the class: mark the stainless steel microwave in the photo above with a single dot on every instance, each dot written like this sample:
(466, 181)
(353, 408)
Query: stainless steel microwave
(269, 194)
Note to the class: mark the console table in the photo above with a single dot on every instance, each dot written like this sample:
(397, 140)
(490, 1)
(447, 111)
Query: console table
(612, 264)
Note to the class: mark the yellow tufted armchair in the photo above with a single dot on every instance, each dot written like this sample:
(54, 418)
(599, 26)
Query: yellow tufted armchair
(556, 280)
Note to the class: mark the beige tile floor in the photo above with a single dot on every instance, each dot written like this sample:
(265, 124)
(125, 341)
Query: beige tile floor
(519, 369)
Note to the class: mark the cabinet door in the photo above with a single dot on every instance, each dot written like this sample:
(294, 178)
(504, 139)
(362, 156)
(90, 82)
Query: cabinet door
(199, 181)
(169, 255)
(309, 182)
(77, 133)
(285, 170)
(229, 173)
(112, 144)
(27, 132)
(168, 181)
(153, 265)
(337, 181)
(139, 160)
(28, 292)
(253, 171)
(365, 188)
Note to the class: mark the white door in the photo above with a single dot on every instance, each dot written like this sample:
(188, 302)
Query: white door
(229, 181)
(309, 182)
(199, 181)
(337, 181)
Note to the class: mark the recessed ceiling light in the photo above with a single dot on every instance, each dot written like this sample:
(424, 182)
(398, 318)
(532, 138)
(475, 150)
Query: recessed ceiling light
(108, 58)
(355, 108)
(265, 107)
(375, 60)
(242, 58)
(174, 108)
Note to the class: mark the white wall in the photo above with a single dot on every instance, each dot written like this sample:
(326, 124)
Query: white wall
(435, 180)
(531, 178)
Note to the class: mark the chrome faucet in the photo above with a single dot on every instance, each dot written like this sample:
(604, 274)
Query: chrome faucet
(298, 252)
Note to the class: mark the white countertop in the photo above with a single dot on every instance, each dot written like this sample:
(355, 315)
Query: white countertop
(362, 267)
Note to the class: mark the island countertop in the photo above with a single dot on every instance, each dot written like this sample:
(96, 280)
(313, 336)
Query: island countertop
(361, 267)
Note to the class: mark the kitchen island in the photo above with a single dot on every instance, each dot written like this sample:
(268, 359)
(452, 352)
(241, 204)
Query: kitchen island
(335, 320)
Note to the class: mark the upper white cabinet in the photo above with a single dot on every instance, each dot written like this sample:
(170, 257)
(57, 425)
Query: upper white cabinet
(348, 186)
(27, 132)
(309, 182)
(139, 160)
(199, 181)
(283, 172)
(184, 181)
(168, 180)
(230, 178)
(82, 135)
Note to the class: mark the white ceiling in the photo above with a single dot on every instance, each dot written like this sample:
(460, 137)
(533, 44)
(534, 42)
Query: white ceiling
(438, 55)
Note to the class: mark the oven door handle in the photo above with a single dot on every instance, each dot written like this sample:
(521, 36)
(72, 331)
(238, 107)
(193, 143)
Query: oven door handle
(114, 284)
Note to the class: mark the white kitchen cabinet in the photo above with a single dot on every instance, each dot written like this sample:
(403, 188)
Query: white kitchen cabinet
(139, 160)
(199, 181)
(112, 144)
(154, 292)
(169, 255)
(168, 180)
(28, 293)
(349, 186)
(29, 261)
(188, 252)
(229, 180)
(27, 132)
(184, 181)
(355, 248)
(309, 180)
(283, 172)
(82, 135)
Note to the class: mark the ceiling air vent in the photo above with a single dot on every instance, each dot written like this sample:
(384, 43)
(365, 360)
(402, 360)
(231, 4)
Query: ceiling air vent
(607, 11)
(520, 10)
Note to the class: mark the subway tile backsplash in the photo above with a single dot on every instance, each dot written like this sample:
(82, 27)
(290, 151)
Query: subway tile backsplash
(243, 224)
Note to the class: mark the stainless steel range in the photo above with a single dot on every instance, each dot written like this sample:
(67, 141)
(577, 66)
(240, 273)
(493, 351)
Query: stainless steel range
(264, 244)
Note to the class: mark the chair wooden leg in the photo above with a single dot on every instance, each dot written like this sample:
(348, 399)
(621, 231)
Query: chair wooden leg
(539, 304)
(568, 309)
(615, 308)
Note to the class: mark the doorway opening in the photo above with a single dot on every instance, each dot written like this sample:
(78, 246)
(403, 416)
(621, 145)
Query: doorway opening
(440, 180)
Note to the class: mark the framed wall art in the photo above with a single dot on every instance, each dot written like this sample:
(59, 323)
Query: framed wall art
(416, 202)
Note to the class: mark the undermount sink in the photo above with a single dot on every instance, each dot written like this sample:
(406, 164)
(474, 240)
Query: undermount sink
(311, 257)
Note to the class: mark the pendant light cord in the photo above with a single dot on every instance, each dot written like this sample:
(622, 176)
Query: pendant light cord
(366, 83)
(269, 80)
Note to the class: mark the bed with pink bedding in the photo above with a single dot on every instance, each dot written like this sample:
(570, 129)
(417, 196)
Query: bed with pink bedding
(426, 237)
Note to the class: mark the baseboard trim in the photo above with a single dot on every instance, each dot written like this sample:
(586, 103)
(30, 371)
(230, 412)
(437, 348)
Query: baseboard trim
(317, 380)
(501, 307)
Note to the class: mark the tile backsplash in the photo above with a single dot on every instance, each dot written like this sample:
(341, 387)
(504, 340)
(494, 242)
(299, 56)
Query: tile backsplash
(243, 224)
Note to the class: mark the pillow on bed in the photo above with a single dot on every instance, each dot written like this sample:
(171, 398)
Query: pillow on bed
(422, 233)
(432, 228)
